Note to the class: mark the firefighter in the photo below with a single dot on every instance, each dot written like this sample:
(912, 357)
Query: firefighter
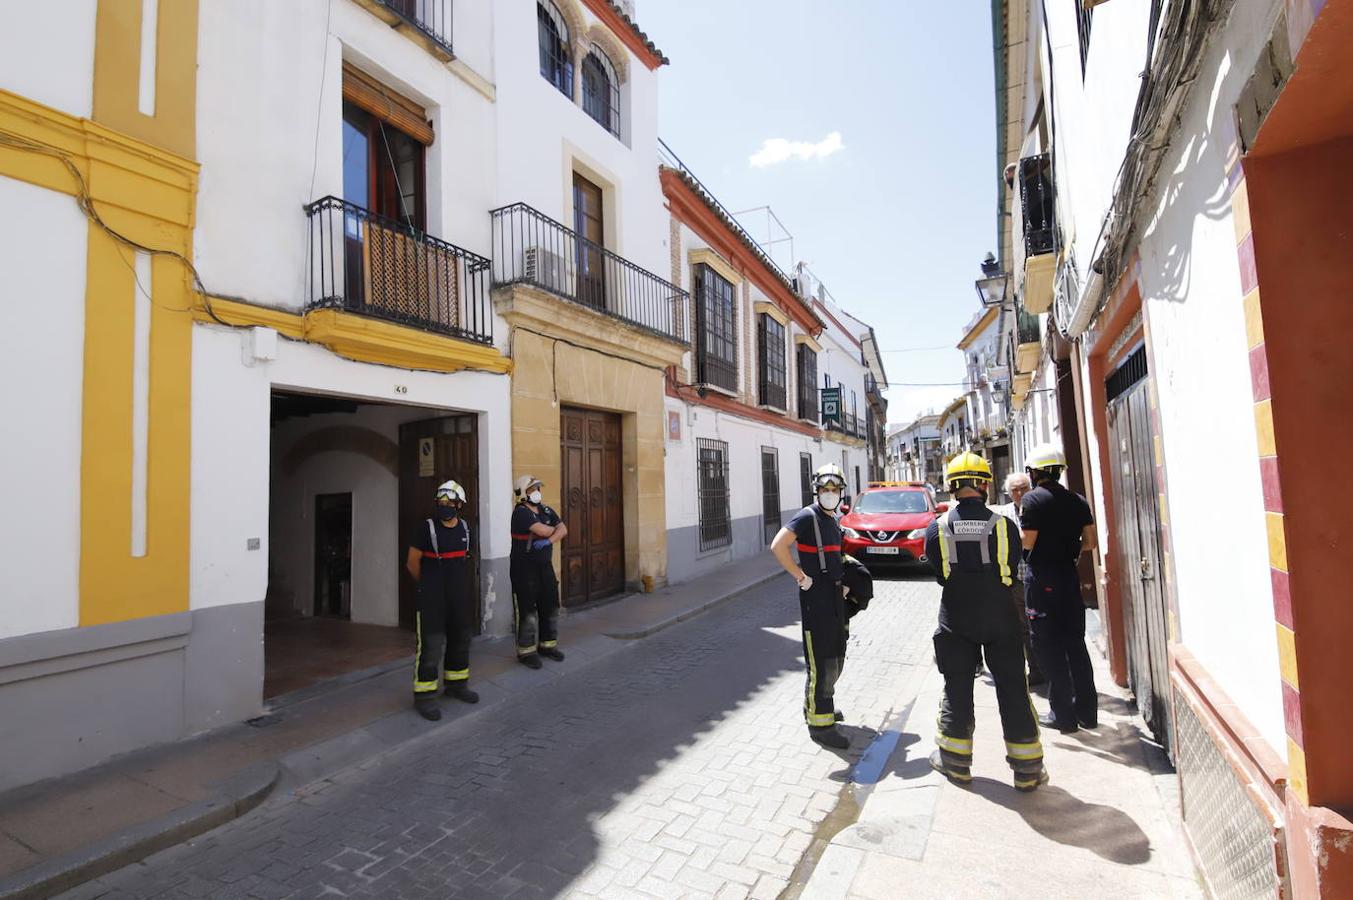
(822, 603)
(439, 561)
(535, 591)
(1058, 528)
(975, 552)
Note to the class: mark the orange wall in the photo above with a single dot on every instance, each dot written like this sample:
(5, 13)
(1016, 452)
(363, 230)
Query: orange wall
(1301, 205)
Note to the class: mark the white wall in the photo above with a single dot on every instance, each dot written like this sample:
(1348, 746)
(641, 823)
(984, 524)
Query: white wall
(232, 439)
(259, 157)
(47, 53)
(43, 248)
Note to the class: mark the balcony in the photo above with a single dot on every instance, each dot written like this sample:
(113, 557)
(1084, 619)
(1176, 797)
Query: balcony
(851, 426)
(807, 409)
(530, 248)
(426, 21)
(373, 266)
(1037, 193)
(770, 393)
(1030, 341)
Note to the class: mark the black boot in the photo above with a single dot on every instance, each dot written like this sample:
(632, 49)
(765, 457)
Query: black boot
(1065, 728)
(427, 708)
(1029, 781)
(840, 716)
(552, 653)
(461, 692)
(829, 737)
(530, 660)
(958, 774)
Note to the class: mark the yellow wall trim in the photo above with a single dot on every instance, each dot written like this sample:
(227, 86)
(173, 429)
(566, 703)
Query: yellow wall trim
(1263, 428)
(117, 72)
(527, 307)
(363, 339)
(716, 262)
(1240, 210)
(1287, 655)
(971, 334)
(1277, 540)
(1296, 772)
(1254, 320)
(770, 309)
(807, 341)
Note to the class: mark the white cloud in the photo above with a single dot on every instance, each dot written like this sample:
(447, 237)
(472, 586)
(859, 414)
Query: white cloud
(777, 150)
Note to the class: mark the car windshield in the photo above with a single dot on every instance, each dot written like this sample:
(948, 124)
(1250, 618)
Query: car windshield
(892, 502)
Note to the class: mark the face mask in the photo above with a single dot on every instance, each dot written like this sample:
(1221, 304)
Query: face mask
(533, 497)
(448, 512)
(829, 500)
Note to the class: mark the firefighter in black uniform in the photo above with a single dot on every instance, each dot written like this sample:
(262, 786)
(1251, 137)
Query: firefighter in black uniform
(535, 591)
(1058, 528)
(822, 604)
(439, 561)
(975, 552)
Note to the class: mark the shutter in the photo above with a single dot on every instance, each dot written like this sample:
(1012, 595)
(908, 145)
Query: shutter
(360, 89)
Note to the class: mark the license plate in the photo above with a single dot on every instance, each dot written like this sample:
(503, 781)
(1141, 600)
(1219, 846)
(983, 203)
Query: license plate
(890, 550)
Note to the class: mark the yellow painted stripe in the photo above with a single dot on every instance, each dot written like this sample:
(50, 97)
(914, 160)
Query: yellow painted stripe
(1296, 772)
(1240, 210)
(1263, 428)
(953, 745)
(1254, 320)
(1277, 540)
(1287, 655)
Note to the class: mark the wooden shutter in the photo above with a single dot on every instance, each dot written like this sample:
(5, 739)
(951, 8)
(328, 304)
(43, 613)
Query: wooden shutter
(360, 89)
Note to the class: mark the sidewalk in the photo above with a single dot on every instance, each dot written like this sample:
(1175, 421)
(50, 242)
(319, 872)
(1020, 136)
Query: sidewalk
(59, 833)
(1106, 825)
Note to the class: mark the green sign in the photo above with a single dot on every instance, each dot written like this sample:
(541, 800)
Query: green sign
(831, 406)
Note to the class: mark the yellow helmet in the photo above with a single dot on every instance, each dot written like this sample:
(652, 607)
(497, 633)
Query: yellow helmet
(967, 467)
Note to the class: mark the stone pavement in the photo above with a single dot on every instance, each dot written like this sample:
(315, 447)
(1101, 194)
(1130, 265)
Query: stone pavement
(678, 766)
(1106, 825)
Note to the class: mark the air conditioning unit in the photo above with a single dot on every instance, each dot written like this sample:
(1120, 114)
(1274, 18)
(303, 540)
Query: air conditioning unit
(546, 268)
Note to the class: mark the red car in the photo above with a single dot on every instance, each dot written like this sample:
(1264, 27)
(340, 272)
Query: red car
(887, 522)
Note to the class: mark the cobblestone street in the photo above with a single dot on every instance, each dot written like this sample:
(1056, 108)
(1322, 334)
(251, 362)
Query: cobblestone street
(677, 767)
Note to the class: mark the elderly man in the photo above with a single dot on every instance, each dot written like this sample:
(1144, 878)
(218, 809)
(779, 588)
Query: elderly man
(1016, 486)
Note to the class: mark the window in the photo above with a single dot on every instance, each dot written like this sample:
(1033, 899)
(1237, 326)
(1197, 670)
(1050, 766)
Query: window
(1083, 15)
(601, 90)
(590, 226)
(892, 502)
(770, 492)
(770, 345)
(556, 65)
(857, 479)
(712, 471)
(382, 168)
(807, 363)
(716, 335)
(806, 477)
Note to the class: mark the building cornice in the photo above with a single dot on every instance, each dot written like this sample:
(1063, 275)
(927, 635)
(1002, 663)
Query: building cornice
(627, 31)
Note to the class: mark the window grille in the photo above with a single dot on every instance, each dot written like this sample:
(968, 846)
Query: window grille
(770, 338)
(712, 466)
(556, 65)
(1084, 13)
(807, 363)
(806, 477)
(770, 492)
(601, 90)
(1132, 370)
(716, 333)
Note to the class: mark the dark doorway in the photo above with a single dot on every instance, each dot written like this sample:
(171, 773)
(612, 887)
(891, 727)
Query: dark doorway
(431, 452)
(590, 227)
(333, 555)
(593, 505)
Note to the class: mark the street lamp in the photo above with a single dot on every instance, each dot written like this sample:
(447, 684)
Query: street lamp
(992, 285)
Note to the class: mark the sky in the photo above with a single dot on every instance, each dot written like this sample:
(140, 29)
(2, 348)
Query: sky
(868, 127)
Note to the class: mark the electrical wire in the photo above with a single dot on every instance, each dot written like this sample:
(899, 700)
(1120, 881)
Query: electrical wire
(86, 204)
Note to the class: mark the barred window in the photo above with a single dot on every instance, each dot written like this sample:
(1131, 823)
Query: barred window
(806, 477)
(716, 334)
(556, 65)
(770, 492)
(807, 363)
(770, 345)
(712, 470)
(601, 90)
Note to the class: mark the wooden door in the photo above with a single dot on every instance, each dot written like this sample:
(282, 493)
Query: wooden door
(590, 228)
(431, 452)
(593, 505)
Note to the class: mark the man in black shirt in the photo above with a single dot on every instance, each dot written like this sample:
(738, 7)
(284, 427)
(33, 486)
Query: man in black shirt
(535, 590)
(1058, 528)
(439, 561)
(815, 533)
(975, 553)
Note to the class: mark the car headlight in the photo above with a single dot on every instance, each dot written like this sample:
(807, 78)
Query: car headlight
(851, 533)
(916, 534)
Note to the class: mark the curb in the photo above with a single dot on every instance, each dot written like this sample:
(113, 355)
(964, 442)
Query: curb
(690, 613)
(238, 794)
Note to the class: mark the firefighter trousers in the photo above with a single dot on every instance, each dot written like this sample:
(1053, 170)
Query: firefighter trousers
(535, 604)
(443, 624)
(1057, 625)
(824, 650)
(988, 629)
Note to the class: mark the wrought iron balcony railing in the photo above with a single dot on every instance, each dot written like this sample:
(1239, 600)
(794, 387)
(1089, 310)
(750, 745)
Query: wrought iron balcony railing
(431, 17)
(770, 393)
(531, 248)
(808, 405)
(374, 266)
(1037, 192)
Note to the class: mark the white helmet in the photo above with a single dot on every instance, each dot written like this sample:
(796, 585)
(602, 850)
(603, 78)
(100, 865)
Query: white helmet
(450, 490)
(1048, 457)
(524, 484)
(829, 474)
